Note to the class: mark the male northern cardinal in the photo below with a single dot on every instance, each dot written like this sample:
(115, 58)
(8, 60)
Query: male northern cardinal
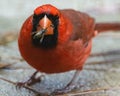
(55, 41)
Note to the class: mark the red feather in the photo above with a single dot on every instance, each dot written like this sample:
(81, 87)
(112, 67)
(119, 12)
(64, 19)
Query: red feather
(75, 31)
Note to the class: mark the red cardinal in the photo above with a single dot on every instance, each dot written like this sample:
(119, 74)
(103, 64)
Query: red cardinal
(55, 41)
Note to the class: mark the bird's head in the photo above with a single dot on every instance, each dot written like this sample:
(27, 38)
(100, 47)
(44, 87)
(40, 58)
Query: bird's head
(45, 26)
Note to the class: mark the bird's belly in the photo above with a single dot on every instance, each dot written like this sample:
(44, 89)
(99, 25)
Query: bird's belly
(60, 59)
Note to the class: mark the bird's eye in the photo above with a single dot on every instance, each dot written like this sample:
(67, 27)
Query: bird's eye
(52, 25)
(39, 27)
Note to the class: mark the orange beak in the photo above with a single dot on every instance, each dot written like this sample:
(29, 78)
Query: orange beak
(45, 27)
(46, 24)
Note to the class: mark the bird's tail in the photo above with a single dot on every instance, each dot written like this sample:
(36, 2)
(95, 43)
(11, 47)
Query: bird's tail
(102, 27)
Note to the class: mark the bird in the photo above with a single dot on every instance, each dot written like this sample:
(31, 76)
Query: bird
(52, 40)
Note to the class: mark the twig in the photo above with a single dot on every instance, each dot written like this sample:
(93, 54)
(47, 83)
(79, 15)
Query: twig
(4, 65)
(104, 62)
(20, 59)
(113, 52)
(104, 69)
(92, 91)
(25, 86)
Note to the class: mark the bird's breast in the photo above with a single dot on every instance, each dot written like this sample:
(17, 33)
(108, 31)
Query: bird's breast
(63, 58)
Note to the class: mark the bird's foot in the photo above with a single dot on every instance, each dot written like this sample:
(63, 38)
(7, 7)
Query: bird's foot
(70, 86)
(66, 89)
(30, 81)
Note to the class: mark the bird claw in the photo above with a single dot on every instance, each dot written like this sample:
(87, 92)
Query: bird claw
(64, 90)
(30, 81)
(20, 85)
(70, 86)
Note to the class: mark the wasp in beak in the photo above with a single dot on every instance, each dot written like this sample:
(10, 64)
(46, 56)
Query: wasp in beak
(44, 27)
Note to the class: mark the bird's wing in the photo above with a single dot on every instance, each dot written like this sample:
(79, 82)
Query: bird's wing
(83, 24)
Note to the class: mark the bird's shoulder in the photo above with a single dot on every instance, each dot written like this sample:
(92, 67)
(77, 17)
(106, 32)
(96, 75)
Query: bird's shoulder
(83, 24)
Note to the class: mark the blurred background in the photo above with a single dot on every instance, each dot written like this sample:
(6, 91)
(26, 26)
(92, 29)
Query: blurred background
(96, 73)
(13, 13)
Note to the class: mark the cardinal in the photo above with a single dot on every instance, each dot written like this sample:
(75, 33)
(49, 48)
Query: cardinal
(56, 41)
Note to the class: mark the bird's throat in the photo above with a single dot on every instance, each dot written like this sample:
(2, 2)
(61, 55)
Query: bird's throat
(48, 41)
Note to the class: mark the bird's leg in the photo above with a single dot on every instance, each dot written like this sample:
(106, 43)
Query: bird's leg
(73, 80)
(70, 86)
(32, 80)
